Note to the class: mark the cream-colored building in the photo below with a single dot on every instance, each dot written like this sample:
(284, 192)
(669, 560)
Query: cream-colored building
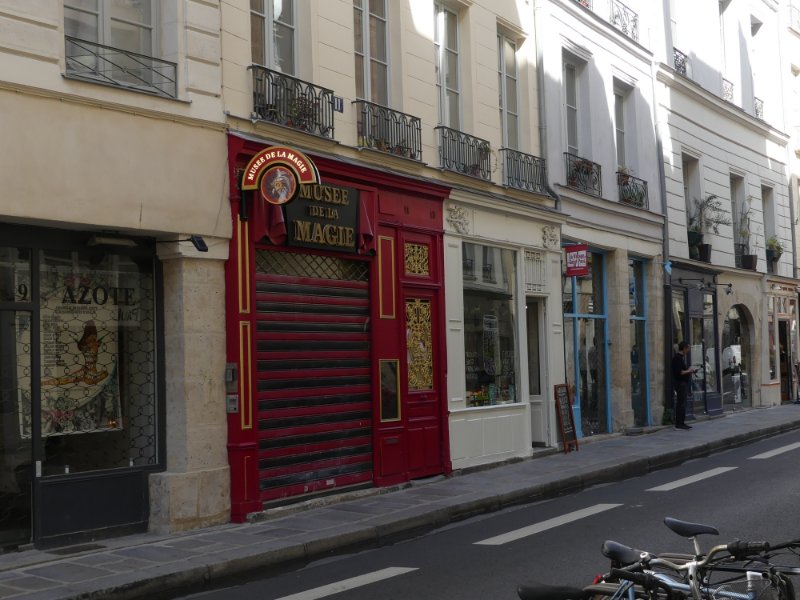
(114, 152)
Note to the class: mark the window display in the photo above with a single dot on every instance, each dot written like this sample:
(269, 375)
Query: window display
(489, 326)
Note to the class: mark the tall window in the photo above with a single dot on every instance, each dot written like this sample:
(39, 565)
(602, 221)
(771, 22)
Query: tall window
(571, 105)
(619, 127)
(272, 34)
(372, 66)
(740, 209)
(125, 25)
(507, 79)
(448, 83)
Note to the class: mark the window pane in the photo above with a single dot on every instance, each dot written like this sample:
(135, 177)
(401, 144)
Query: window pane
(378, 81)
(572, 128)
(377, 7)
(453, 117)
(131, 37)
(15, 275)
(358, 31)
(452, 30)
(452, 80)
(511, 95)
(360, 77)
(377, 39)
(510, 57)
(511, 135)
(489, 327)
(257, 6)
(283, 40)
(133, 11)
(283, 11)
(98, 387)
(80, 25)
(569, 85)
(90, 5)
(257, 39)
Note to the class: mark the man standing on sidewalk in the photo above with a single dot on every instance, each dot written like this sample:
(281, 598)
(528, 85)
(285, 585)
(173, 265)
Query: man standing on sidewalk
(681, 378)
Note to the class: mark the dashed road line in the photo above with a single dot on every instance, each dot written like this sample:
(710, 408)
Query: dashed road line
(349, 584)
(777, 451)
(693, 479)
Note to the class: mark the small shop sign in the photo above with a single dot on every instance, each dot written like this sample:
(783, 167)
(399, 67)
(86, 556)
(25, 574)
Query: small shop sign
(577, 260)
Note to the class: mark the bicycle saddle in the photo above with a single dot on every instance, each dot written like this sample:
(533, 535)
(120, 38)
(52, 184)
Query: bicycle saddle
(620, 554)
(687, 529)
(542, 591)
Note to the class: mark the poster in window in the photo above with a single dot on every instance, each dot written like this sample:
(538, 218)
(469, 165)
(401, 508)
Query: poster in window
(82, 313)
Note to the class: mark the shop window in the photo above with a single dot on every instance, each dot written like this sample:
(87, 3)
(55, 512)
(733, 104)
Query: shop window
(489, 328)
(638, 340)
(97, 354)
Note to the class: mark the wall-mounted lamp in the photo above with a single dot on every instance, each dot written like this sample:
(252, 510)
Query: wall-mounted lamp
(728, 287)
(197, 241)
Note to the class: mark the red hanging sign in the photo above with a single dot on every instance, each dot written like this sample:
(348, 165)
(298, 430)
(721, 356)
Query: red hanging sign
(577, 260)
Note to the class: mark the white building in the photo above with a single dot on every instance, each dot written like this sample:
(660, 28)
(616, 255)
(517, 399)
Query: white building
(721, 126)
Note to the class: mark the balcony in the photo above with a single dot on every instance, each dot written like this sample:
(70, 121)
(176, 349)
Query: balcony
(291, 102)
(523, 171)
(586, 3)
(97, 63)
(391, 131)
(583, 175)
(625, 19)
(632, 190)
(758, 108)
(464, 153)
(681, 62)
(727, 90)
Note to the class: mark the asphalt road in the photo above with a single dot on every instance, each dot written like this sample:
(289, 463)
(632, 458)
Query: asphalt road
(749, 492)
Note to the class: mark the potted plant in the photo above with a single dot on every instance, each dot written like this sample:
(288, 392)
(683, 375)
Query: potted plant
(748, 259)
(774, 248)
(705, 217)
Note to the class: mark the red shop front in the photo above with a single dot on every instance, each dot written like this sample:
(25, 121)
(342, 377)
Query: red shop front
(335, 319)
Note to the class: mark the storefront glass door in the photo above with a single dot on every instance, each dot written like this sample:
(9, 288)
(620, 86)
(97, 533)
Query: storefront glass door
(15, 448)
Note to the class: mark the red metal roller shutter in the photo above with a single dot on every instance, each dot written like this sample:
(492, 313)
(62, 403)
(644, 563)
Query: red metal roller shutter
(313, 373)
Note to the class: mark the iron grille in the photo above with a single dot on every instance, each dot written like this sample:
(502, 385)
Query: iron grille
(535, 271)
(758, 108)
(583, 175)
(114, 66)
(464, 153)
(382, 128)
(632, 190)
(310, 265)
(286, 100)
(625, 19)
(681, 62)
(727, 90)
(523, 171)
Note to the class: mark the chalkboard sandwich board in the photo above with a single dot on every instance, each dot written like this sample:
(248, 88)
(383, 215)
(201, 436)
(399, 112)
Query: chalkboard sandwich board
(566, 422)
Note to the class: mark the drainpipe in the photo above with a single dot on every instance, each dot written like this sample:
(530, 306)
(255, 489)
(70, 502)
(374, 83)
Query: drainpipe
(662, 181)
(537, 24)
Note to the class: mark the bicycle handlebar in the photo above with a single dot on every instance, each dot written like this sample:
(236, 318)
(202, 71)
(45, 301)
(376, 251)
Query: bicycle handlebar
(739, 549)
(649, 582)
(736, 549)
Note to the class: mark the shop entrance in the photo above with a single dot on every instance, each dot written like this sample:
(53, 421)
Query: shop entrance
(313, 385)
(15, 450)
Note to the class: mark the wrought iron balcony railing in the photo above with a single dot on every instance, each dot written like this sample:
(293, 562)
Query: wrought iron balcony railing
(523, 171)
(464, 153)
(586, 3)
(625, 19)
(95, 62)
(583, 175)
(388, 130)
(758, 108)
(632, 190)
(727, 90)
(292, 102)
(681, 62)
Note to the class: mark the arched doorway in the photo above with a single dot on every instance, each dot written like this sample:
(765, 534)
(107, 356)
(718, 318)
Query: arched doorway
(737, 358)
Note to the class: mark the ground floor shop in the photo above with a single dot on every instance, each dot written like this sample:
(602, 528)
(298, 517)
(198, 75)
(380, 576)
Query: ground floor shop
(504, 352)
(81, 383)
(779, 351)
(336, 349)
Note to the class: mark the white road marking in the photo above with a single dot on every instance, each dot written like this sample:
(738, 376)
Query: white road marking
(349, 584)
(687, 480)
(518, 534)
(777, 451)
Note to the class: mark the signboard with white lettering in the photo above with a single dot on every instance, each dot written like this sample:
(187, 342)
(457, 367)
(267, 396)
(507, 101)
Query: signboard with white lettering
(323, 217)
(577, 260)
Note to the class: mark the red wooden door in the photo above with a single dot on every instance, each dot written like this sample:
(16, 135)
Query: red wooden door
(409, 358)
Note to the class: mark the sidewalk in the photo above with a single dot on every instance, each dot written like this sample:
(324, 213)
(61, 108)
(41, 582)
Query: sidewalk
(149, 565)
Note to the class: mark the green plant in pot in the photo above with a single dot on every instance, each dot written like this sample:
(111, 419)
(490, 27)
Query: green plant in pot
(705, 217)
(747, 258)
(774, 248)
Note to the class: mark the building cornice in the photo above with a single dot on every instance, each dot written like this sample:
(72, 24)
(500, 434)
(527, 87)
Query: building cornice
(671, 78)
